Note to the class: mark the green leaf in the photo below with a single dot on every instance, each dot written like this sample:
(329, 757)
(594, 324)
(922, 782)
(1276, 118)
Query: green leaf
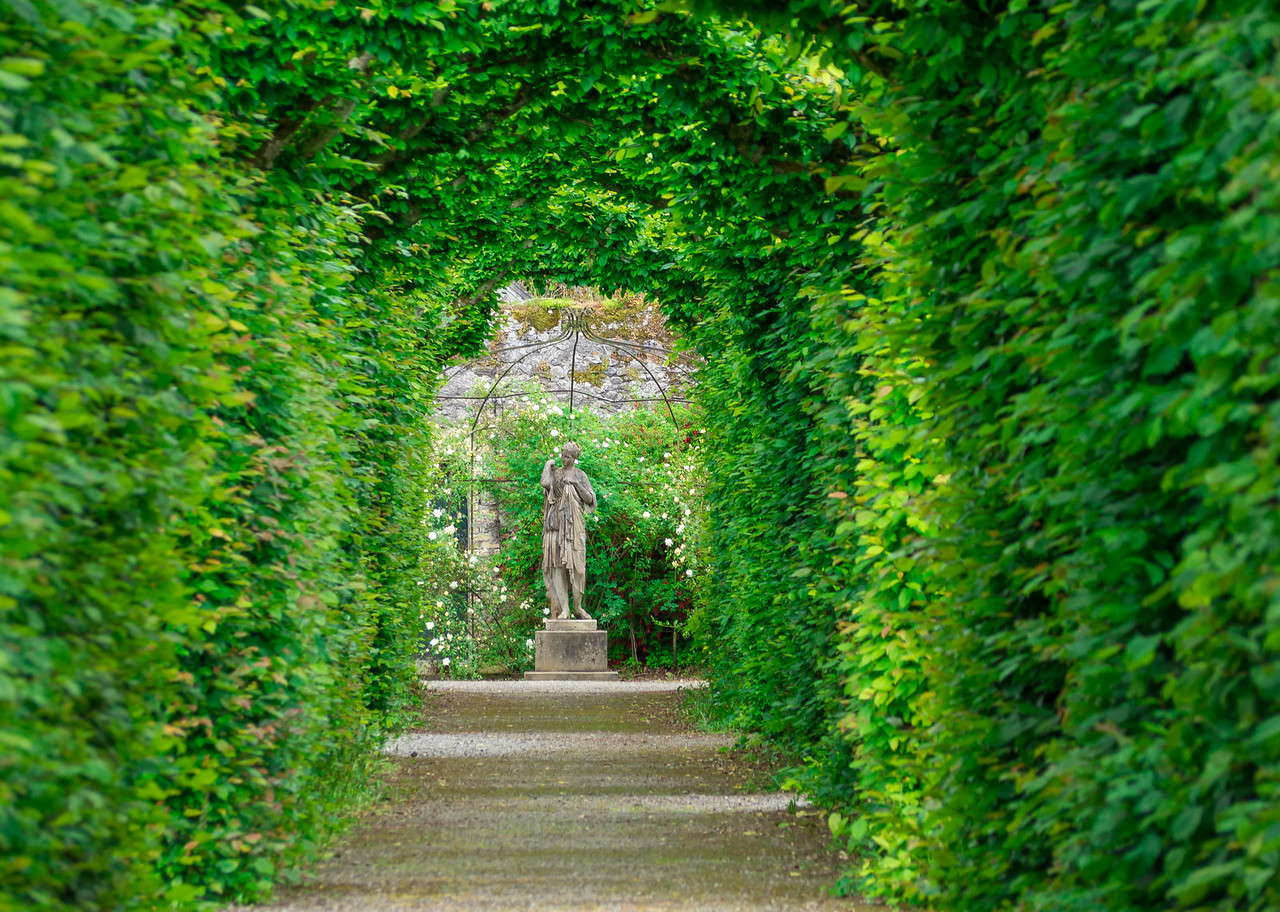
(835, 131)
(25, 11)
(1141, 651)
(1185, 824)
(13, 82)
(23, 66)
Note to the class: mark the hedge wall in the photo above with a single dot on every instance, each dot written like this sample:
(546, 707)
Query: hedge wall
(1087, 272)
(198, 455)
(1054, 546)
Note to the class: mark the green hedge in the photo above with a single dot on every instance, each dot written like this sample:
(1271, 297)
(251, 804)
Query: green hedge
(1084, 222)
(197, 455)
(1053, 517)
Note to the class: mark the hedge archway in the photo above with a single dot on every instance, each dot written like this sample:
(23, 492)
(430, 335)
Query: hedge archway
(987, 294)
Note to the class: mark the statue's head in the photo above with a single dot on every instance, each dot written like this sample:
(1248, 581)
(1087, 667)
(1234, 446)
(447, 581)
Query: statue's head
(571, 451)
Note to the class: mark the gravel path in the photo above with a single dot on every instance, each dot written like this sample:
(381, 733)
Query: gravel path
(445, 685)
(571, 797)
(596, 745)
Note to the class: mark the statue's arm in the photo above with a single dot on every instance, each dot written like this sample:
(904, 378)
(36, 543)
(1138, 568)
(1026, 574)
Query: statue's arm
(548, 474)
(586, 493)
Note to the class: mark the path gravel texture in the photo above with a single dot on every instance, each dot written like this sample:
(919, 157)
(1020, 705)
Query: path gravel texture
(571, 797)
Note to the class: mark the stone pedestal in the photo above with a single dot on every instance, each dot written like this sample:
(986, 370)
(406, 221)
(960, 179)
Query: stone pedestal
(570, 651)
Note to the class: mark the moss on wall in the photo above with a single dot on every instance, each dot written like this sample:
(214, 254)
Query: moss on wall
(627, 319)
(593, 375)
(541, 314)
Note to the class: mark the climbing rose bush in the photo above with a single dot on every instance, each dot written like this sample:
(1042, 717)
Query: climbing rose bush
(646, 561)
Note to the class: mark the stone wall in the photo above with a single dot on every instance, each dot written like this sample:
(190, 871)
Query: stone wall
(605, 378)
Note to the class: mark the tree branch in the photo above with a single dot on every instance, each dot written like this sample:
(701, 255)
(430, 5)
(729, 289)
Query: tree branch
(338, 114)
(285, 129)
(523, 96)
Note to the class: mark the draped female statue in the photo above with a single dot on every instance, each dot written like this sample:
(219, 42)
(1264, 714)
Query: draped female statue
(567, 499)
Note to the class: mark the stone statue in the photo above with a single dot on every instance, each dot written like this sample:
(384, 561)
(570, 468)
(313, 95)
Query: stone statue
(567, 499)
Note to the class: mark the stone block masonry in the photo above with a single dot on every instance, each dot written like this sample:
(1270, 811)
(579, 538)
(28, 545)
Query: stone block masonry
(605, 378)
(571, 650)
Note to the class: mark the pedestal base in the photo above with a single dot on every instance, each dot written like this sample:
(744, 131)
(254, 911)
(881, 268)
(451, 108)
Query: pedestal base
(571, 676)
(571, 650)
